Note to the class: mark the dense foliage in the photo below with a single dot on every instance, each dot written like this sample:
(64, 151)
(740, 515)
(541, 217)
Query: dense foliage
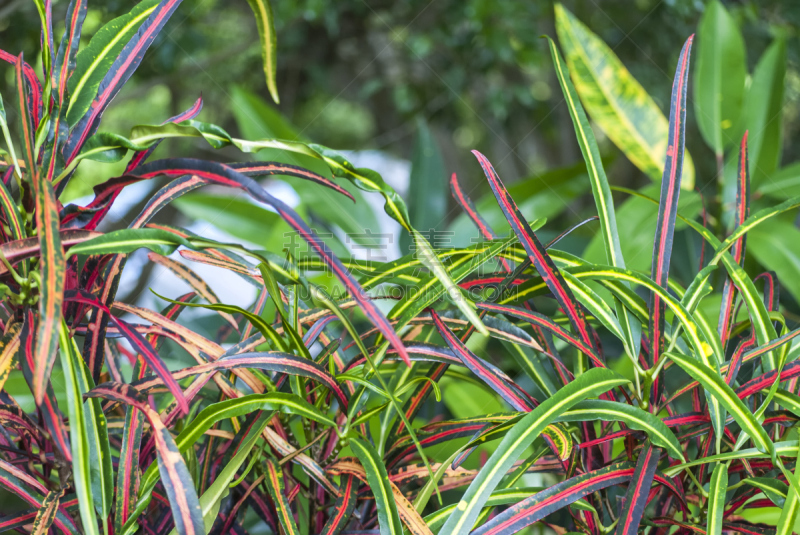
(611, 399)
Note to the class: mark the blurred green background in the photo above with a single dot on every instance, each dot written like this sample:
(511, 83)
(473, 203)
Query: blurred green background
(411, 87)
(357, 74)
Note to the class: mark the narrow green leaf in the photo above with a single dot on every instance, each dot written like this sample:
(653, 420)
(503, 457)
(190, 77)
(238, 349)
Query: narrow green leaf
(431, 261)
(782, 449)
(102, 473)
(788, 400)
(601, 192)
(378, 479)
(716, 386)
(595, 305)
(717, 488)
(267, 37)
(774, 489)
(9, 141)
(590, 384)
(128, 240)
(267, 330)
(211, 498)
(634, 417)
(232, 408)
(81, 451)
(791, 507)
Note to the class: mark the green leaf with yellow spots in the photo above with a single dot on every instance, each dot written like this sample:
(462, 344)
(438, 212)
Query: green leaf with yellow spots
(616, 102)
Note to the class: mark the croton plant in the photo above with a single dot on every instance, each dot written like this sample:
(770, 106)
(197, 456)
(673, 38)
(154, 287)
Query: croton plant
(314, 409)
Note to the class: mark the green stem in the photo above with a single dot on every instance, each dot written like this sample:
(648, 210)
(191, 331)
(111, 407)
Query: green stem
(19, 280)
(11, 152)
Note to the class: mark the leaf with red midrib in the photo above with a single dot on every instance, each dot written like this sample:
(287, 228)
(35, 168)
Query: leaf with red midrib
(116, 77)
(221, 174)
(140, 343)
(174, 473)
(537, 253)
(738, 248)
(554, 498)
(476, 365)
(638, 491)
(670, 191)
(343, 508)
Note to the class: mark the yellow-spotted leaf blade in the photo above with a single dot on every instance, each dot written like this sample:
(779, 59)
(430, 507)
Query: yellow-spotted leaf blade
(615, 100)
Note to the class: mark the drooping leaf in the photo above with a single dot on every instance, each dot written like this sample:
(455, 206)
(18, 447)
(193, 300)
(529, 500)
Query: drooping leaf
(140, 343)
(275, 361)
(267, 37)
(717, 387)
(554, 498)
(431, 261)
(195, 281)
(224, 175)
(542, 321)
(773, 489)
(129, 240)
(633, 417)
(476, 365)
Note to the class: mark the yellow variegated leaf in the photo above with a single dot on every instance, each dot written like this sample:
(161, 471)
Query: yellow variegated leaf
(615, 101)
(562, 439)
(266, 33)
(8, 352)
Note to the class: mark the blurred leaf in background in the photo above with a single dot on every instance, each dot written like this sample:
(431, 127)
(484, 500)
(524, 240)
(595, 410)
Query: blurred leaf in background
(719, 83)
(427, 187)
(615, 100)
